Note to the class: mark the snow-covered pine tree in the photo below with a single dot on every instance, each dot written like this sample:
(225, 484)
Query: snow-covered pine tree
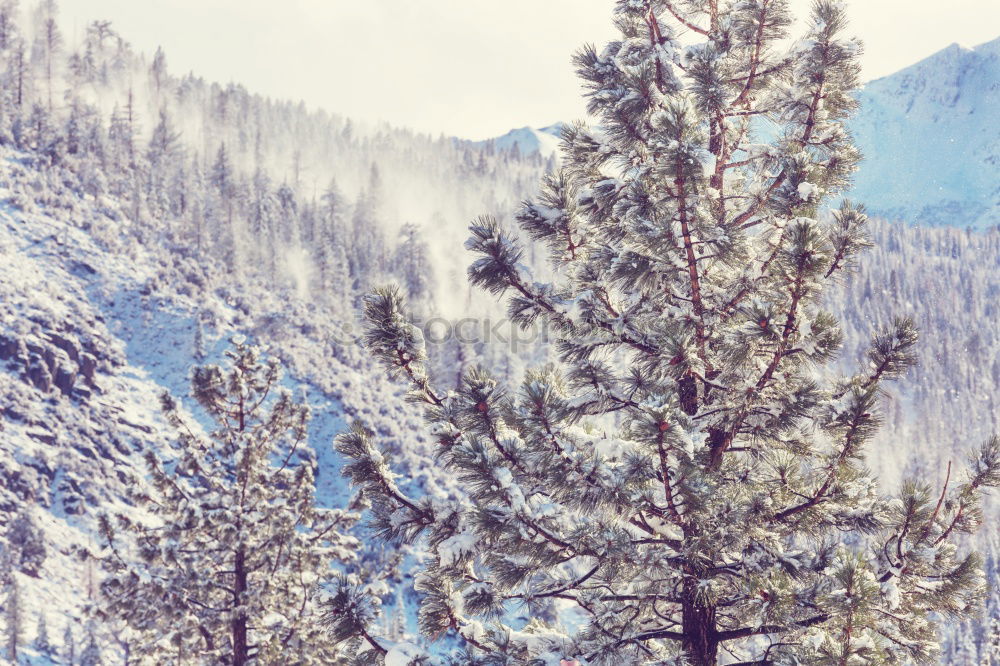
(964, 651)
(41, 643)
(332, 274)
(13, 618)
(688, 484)
(989, 654)
(228, 563)
(412, 264)
(222, 177)
(91, 654)
(48, 42)
(367, 246)
(26, 544)
(69, 645)
(163, 155)
(264, 219)
(121, 145)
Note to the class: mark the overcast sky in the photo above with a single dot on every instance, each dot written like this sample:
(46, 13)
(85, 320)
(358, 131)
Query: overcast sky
(471, 68)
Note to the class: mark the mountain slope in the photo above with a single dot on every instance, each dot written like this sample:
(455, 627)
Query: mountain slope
(528, 140)
(930, 138)
(103, 304)
(94, 326)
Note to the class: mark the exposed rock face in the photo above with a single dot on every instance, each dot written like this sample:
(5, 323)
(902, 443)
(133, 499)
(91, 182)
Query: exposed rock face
(49, 356)
(88, 366)
(43, 436)
(8, 348)
(64, 380)
(70, 346)
(39, 376)
(52, 361)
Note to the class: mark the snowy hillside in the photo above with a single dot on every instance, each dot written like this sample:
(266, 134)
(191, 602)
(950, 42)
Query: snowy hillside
(930, 140)
(93, 328)
(145, 218)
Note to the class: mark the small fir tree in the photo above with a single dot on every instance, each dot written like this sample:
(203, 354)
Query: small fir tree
(91, 654)
(14, 618)
(26, 543)
(41, 643)
(69, 645)
(228, 568)
(688, 483)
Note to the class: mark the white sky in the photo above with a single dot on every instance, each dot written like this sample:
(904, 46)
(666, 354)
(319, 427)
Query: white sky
(470, 68)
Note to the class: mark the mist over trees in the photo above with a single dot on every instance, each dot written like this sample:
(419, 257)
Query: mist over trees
(263, 188)
(279, 219)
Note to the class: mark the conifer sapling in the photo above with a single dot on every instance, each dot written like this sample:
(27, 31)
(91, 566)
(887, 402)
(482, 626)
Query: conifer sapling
(13, 618)
(26, 543)
(228, 565)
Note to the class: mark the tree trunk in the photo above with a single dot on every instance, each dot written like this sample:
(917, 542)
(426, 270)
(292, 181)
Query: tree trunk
(701, 646)
(239, 624)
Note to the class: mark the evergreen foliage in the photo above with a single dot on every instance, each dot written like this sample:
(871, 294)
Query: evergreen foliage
(13, 618)
(69, 645)
(228, 567)
(26, 544)
(91, 654)
(687, 485)
(41, 642)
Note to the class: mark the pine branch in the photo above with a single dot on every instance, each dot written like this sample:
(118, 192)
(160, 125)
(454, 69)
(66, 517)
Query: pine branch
(371, 641)
(861, 417)
(741, 221)
(665, 477)
(795, 295)
(680, 19)
(746, 632)
(741, 98)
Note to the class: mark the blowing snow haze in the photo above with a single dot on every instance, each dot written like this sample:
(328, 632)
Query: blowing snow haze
(155, 206)
(450, 66)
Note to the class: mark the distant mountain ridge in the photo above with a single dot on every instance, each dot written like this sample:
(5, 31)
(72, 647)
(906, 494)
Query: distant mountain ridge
(930, 135)
(544, 140)
(104, 305)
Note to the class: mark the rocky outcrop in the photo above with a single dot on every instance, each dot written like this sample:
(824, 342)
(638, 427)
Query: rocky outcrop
(88, 366)
(8, 347)
(64, 380)
(52, 362)
(39, 376)
(67, 344)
